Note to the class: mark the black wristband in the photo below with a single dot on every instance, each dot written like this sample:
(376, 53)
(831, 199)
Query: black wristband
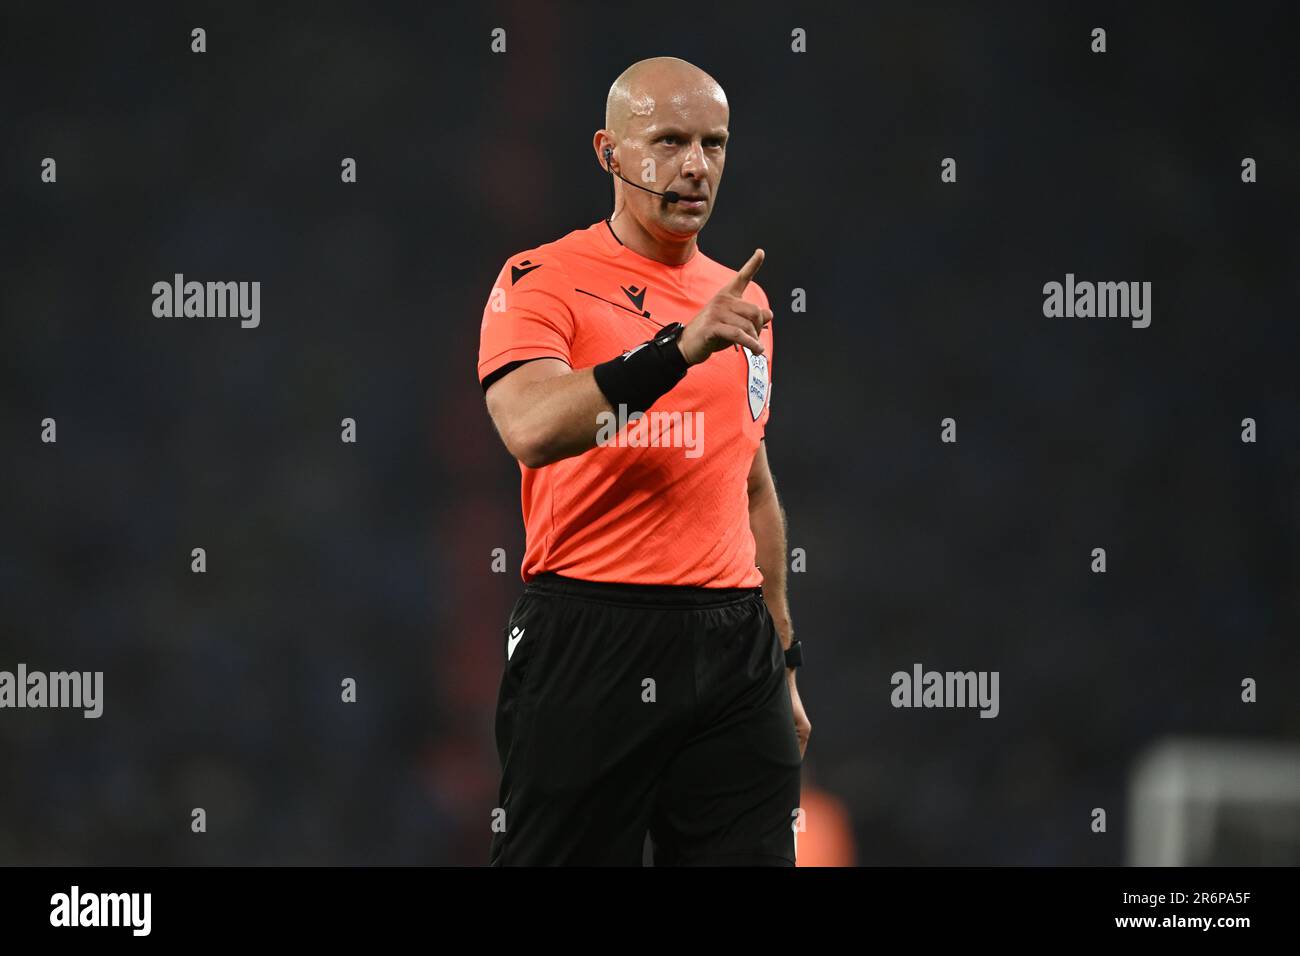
(638, 378)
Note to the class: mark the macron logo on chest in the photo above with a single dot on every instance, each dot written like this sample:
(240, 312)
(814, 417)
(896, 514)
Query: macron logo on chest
(636, 297)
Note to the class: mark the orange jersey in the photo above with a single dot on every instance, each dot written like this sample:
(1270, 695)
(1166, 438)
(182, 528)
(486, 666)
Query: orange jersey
(662, 500)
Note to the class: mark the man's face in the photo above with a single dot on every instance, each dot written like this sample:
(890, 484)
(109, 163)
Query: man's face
(677, 141)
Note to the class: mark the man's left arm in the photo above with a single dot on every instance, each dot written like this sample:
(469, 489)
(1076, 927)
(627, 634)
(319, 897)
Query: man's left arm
(767, 522)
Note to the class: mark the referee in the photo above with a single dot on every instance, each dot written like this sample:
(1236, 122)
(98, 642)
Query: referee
(649, 682)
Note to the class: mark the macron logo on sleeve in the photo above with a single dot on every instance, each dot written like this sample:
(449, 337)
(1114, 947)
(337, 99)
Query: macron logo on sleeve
(521, 270)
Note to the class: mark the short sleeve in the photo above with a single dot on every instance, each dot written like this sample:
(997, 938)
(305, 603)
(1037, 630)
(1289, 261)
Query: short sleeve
(527, 316)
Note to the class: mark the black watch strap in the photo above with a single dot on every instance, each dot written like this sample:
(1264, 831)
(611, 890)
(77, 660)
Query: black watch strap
(794, 655)
(669, 334)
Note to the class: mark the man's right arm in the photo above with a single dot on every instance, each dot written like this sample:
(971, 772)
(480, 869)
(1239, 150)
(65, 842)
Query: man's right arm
(545, 412)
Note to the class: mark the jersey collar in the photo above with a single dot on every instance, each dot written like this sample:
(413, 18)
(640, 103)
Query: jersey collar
(615, 246)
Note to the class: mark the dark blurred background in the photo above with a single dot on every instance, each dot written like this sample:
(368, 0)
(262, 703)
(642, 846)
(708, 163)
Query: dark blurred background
(373, 560)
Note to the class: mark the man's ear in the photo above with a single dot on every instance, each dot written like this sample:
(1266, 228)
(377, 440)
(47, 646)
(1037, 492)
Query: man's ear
(605, 145)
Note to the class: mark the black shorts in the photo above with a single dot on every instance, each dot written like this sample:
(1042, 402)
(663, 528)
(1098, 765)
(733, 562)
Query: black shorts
(627, 709)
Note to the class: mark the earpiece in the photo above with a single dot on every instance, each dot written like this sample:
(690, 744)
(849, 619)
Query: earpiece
(670, 196)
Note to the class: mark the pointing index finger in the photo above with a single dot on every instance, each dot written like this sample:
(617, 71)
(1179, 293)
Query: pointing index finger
(740, 282)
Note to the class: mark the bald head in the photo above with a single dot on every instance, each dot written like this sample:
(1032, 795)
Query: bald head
(659, 81)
